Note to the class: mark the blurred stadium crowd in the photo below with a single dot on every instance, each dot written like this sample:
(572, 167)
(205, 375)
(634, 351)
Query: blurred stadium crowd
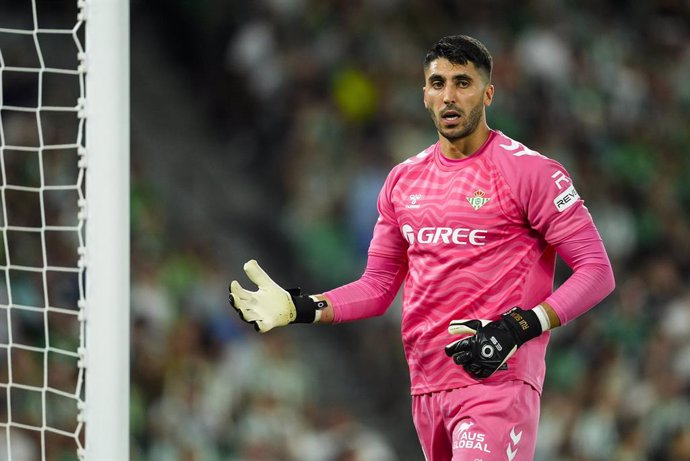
(265, 130)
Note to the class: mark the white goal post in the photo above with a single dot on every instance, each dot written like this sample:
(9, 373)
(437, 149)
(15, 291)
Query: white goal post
(64, 230)
(107, 230)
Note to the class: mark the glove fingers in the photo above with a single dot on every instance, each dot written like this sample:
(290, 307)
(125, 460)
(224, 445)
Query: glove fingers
(266, 308)
(238, 293)
(245, 314)
(233, 301)
(259, 326)
(249, 315)
(262, 326)
(461, 345)
(257, 275)
(477, 370)
(465, 327)
(462, 358)
(240, 300)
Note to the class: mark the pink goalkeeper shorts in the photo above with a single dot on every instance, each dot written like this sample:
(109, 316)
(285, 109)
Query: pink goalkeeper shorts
(482, 422)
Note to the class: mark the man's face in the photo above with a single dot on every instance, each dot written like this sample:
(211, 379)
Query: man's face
(455, 96)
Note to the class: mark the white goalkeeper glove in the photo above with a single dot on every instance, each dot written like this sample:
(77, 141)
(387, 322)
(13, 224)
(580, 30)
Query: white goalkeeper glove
(271, 306)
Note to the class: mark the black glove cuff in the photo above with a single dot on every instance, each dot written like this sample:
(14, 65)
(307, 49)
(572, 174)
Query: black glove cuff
(305, 306)
(524, 325)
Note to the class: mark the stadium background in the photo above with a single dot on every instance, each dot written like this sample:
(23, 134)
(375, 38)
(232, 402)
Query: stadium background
(264, 130)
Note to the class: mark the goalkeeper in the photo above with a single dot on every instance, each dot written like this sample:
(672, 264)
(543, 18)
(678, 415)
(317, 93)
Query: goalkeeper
(471, 228)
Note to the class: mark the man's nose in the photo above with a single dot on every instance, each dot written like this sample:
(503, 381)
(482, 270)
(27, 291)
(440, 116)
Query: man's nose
(448, 95)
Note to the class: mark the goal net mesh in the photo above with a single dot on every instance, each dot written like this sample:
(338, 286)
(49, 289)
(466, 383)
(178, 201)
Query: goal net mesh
(42, 229)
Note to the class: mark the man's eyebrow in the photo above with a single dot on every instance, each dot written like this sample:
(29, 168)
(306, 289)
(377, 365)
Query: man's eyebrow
(461, 76)
(436, 77)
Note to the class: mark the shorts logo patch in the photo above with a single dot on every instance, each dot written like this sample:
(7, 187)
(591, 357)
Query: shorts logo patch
(466, 439)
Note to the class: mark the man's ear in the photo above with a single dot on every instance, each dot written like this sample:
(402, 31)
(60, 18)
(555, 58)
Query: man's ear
(426, 105)
(488, 95)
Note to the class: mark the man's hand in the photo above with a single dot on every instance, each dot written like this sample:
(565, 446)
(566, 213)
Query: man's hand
(491, 344)
(271, 306)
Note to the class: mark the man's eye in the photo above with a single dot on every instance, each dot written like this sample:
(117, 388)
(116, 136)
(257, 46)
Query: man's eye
(436, 85)
(463, 84)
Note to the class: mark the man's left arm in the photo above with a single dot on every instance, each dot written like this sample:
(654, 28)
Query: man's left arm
(591, 281)
(491, 344)
(554, 209)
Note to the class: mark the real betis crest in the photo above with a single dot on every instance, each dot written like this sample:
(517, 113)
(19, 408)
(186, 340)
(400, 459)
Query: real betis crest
(478, 199)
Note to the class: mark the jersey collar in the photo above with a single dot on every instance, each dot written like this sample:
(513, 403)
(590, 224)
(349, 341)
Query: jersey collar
(446, 163)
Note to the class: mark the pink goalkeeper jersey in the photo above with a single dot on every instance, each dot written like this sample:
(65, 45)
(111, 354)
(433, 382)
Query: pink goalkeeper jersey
(478, 236)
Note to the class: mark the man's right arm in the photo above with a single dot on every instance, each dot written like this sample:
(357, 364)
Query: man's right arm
(272, 306)
(370, 295)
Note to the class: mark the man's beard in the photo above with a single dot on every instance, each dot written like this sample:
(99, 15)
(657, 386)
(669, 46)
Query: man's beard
(466, 129)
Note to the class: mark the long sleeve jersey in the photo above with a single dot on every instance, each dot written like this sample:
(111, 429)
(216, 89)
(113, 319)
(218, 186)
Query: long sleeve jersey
(471, 238)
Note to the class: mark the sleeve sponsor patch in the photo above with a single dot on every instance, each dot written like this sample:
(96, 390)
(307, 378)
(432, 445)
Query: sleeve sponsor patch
(566, 199)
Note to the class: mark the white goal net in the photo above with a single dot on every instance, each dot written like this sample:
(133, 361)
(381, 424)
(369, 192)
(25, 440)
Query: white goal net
(44, 302)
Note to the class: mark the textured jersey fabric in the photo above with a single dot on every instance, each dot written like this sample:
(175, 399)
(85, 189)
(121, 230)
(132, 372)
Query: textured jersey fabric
(477, 237)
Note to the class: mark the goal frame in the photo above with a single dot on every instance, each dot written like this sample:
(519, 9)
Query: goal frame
(107, 284)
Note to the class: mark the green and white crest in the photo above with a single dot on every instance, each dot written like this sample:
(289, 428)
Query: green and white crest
(478, 199)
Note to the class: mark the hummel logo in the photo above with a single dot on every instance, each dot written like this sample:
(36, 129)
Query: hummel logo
(510, 451)
(413, 200)
(511, 454)
(515, 437)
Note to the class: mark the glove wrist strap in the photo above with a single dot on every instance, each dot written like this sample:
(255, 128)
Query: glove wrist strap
(543, 317)
(305, 306)
(524, 325)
